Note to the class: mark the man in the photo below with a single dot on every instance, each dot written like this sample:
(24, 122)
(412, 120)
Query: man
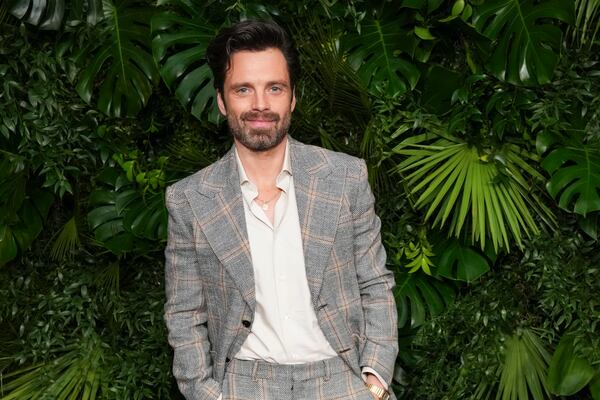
(275, 273)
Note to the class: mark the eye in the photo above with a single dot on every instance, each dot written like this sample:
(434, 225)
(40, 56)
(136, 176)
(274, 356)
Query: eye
(242, 90)
(276, 89)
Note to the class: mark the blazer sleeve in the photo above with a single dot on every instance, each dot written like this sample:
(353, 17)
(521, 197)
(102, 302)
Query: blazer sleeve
(185, 307)
(375, 284)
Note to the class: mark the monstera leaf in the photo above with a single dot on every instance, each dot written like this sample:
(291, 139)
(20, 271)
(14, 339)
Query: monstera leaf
(419, 297)
(527, 39)
(122, 218)
(179, 46)
(118, 68)
(27, 224)
(52, 14)
(374, 55)
(459, 262)
(23, 209)
(575, 177)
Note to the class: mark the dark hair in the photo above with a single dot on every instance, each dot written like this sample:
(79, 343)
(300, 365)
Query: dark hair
(252, 35)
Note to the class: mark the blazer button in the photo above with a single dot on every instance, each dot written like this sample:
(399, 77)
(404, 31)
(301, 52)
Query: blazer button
(246, 323)
(227, 359)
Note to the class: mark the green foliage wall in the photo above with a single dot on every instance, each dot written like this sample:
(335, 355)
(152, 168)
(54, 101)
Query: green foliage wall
(480, 125)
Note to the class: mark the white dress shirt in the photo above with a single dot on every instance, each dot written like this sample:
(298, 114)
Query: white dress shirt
(285, 328)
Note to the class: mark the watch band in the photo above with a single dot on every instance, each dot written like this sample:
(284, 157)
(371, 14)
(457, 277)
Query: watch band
(380, 392)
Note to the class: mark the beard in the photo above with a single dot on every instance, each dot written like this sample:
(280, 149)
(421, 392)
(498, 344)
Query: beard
(259, 140)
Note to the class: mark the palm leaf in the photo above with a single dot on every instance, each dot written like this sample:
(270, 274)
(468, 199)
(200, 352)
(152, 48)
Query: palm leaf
(76, 374)
(66, 242)
(179, 47)
(575, 177)
(118, 68)
(455, 184)
(341, 90)
(524, 368)
(527, 42)
(587, 22)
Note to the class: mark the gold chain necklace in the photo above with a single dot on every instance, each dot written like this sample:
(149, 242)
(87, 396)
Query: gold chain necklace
(264, 204)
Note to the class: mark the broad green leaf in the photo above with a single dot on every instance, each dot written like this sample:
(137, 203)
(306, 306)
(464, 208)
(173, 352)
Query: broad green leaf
(119, 69)
(544, 140)
(8, 245)
(568, 373)
(595, 386)
(25, 224)
(122, 218)
(29, 226)
(575, 177)
(179, 47)
(458, 7)
(147, 218)
(419, 297)
(423, 33)
(589, 224)
(101, 215)
(373, 54)
(527, 36)
(54, 14)
(459, 262)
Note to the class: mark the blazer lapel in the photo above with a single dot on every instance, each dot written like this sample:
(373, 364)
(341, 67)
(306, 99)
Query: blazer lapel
(217, 204)
(319, 191)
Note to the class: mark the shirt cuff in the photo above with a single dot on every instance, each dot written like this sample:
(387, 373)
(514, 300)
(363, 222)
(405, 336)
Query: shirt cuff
(370, 370)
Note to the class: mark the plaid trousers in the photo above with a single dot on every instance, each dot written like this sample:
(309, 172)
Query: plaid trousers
(329, 379)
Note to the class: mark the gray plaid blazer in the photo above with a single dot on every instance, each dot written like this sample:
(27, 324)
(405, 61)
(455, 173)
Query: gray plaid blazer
(209, 274)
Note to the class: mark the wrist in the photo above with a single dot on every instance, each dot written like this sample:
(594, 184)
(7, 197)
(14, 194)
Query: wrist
(378, 391)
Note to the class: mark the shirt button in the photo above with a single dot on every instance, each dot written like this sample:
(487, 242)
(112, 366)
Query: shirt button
(286, 317)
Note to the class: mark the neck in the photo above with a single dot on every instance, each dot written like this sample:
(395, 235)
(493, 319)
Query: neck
(262, 167)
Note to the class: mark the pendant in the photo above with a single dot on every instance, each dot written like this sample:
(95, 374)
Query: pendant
(265, 206)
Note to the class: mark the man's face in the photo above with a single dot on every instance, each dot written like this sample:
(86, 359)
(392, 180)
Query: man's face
(257, 98)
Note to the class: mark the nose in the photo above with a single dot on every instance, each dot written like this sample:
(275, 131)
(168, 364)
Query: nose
(260, 101)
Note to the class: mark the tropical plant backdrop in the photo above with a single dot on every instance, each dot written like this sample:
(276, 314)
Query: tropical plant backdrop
(480, 123)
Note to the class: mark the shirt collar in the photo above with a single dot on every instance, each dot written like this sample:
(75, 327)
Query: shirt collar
(282, 179)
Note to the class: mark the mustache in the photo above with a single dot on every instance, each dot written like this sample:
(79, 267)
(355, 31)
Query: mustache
(265, 115)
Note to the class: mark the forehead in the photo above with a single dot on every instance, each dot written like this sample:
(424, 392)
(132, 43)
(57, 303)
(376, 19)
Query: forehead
(267, 65)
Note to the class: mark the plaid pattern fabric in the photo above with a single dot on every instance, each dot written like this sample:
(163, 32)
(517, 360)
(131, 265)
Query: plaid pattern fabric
(209, 275)
(330, 379)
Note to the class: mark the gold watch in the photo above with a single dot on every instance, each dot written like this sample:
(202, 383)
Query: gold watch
(380, 392)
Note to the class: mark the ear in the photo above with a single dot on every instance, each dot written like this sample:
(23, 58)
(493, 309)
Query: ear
(293, 100)
(221, 104)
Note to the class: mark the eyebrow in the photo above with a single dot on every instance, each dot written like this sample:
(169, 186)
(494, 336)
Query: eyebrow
(270, 83)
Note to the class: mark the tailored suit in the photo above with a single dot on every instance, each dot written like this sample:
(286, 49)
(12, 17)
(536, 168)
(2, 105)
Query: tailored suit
(209, 274)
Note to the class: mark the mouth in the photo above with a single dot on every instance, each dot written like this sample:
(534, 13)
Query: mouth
(260, 123)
